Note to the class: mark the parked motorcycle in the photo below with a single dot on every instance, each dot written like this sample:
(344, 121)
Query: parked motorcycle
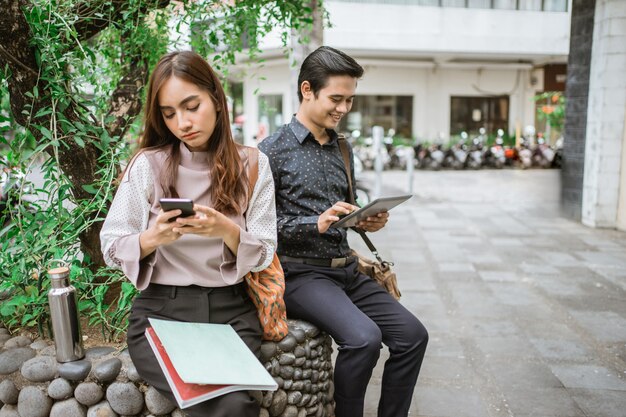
(456, 156)
(494, 155)
(543, 154)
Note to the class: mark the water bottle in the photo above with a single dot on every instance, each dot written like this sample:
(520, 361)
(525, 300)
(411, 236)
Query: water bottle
(64, 314)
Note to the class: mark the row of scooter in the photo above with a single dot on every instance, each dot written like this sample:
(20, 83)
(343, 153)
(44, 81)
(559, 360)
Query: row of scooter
(467, 154)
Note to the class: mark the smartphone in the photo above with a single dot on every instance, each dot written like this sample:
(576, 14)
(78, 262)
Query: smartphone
(183, 204)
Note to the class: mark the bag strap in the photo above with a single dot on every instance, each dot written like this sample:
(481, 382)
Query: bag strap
(345, 153)
(253, 168)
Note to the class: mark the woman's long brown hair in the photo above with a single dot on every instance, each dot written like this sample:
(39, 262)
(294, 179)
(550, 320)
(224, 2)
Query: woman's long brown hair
(229, 182)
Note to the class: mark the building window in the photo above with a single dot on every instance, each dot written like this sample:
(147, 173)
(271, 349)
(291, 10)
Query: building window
(389, 112)
(535, 5)
(469, 114)
(270, 114)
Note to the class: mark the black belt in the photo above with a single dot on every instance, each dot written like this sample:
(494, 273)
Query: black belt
(333, 263)
(173, 290)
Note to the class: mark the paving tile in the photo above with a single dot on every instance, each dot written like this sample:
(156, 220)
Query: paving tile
(519, 374)
(456, 267)
(448, 370)
(506, 347)
(588, 376)
(553, 402)
(514, 294)
(498, 276)
(446, 346)
(457, 402)
(601, 403)
(605, 326)
(506, 241)
(533, 269)
(490, 327)
(561, 349)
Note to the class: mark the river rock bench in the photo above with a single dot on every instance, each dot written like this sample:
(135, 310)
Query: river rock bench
(106, 383)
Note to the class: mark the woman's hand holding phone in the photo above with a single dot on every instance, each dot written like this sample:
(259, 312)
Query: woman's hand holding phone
(210, 223)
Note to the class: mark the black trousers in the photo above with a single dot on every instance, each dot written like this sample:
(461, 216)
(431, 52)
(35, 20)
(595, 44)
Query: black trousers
(359, 315)
(228, 305)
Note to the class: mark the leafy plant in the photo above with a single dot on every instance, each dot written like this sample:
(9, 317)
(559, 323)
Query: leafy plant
(72, 77)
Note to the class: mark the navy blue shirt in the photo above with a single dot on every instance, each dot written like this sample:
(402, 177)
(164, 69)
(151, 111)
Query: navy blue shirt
(309, 178)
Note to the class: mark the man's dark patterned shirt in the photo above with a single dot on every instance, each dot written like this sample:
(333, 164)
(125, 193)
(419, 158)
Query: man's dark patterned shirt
(309, 178)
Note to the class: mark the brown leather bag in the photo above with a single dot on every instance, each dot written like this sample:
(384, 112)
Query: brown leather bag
(267, 287)
(379, 270)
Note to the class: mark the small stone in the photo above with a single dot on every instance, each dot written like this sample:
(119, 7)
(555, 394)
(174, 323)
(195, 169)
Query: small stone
(60, 389)
(33, 402)
(132, 374)
(39, 344)
(294, 397)
(309, 329)
(290, 411)
(257, 395)
(48, 351)
(268, 349)
(76, 370)
(279, 381)
(178, 413)
(299, 361)
(17, 341)
(278, 403)
(8, 392)
(107, 370)
(102, 409)
(286, 372)
(68, 408)
(3, 330)
(305, 399)
(124, 354)
(125, 398)
(9, 411)
(88, 393)
(12, 359)
(289, 384)
(287, 344)
(98, 352)
(302, 413)
(299, 351)
(297, 386)
(297, 374)
(267, 399)
(287, 359)
(40, 369)
(157, 404)
(299, 335)
(264, 413)
(3, 338)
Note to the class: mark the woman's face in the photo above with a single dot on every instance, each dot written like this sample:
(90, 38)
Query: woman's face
(188, 111)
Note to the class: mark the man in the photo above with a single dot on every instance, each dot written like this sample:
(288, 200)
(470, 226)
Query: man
(323, 285)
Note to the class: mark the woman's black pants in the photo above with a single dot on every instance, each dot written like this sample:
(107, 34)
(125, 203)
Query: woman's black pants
(226, 305)
(359, 315)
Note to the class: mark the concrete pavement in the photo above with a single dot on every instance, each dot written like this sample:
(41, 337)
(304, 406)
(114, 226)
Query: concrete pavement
(526, 310)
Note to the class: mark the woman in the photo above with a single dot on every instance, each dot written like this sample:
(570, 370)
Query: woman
(190, 269)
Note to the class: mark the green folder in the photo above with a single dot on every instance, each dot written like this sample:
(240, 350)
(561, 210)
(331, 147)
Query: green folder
(205, 353)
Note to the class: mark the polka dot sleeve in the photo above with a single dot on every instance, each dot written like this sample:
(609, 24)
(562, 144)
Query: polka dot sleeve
(258, 241)
(128, 217)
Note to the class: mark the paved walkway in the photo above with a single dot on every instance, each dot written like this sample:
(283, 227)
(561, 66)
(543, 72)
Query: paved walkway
(526, 310)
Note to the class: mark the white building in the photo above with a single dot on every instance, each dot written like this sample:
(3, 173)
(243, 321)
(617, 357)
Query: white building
(433, 68)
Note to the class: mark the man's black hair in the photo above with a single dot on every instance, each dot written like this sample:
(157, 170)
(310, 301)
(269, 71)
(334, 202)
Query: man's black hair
(323, 63)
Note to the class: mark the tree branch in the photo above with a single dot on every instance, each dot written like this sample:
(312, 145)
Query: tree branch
(90, 23)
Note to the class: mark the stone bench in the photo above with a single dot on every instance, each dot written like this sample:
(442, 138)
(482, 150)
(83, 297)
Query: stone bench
(106, 384)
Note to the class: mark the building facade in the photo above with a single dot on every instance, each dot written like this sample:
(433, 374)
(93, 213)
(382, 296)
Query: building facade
(432, 68)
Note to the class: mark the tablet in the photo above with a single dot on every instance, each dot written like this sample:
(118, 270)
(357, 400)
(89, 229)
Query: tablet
(373, 208)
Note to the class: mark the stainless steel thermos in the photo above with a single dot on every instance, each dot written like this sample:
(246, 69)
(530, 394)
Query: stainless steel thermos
(64, 313)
